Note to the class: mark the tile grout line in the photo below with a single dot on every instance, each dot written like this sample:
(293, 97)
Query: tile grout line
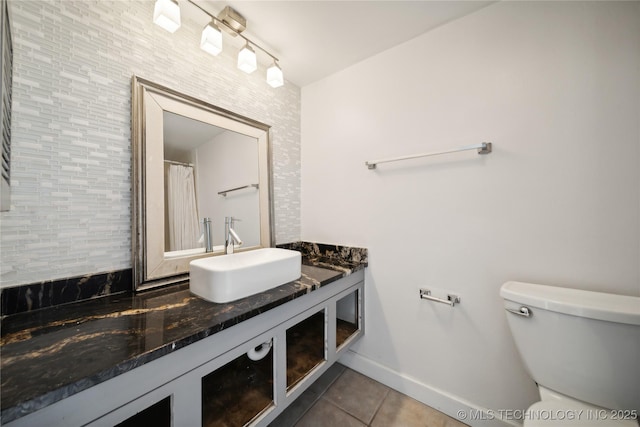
(336, 407)
(297, 420)
(379, 406)
(320, 396)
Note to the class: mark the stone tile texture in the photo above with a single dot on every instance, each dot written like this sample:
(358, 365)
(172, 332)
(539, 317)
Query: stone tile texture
(400, 410)
(324, 414)
(357, 395)
(343, 397)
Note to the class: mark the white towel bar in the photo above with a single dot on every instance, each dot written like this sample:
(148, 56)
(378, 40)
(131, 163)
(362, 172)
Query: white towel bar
(483, 148)
(451, 300)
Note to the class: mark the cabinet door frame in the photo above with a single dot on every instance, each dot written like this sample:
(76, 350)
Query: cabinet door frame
(286, 397)
(186, 390)
(185, 406)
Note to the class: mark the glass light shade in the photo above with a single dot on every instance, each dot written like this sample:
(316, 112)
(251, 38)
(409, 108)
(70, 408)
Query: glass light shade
(247, 61)
(211, 41)
(166, 14)
(274, 76)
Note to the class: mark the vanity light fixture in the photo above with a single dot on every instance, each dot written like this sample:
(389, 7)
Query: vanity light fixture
(247, 61)
(166, 14)
(274, 75)
(211, 41)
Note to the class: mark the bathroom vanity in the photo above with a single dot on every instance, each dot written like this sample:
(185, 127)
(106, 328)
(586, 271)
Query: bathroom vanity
(166, 357)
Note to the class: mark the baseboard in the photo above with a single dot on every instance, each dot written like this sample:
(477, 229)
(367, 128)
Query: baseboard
(454, 406)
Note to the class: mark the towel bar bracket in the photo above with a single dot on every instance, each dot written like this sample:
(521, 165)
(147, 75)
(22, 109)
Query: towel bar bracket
(485, 148)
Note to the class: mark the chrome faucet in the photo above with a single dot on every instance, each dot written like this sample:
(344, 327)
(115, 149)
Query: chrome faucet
(230, 236)
(208, 241)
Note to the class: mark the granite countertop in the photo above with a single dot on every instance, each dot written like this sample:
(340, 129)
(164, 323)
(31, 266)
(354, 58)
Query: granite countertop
(53, 353)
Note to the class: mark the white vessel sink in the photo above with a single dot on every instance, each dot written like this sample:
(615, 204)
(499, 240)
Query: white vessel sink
(227, 278)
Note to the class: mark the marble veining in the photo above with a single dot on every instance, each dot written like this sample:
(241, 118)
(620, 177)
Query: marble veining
(117, 333)
(49, 293)
(334, 255)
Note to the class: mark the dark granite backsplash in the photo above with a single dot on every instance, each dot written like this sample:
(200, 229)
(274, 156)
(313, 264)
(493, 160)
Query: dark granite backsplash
(50, 293)
(319, 251)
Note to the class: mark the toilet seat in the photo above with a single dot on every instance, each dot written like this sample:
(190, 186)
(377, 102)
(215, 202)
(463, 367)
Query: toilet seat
(548, 413)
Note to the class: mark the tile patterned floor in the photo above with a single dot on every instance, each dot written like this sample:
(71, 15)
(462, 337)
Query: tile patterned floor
(342, 397)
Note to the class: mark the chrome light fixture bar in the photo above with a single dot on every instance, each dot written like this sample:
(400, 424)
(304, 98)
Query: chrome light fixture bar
(167, 15)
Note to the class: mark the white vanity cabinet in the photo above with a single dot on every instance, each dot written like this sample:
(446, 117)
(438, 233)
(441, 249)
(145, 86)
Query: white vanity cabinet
(214, 381)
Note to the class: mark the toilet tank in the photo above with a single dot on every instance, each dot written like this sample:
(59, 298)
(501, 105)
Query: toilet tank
(583, 344)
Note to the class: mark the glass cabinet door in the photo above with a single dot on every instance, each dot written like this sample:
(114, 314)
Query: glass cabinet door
(306, 343)
(239, 391)
(348, 317)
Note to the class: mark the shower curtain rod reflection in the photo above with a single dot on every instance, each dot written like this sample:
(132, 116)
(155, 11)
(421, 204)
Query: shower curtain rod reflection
(173, 162)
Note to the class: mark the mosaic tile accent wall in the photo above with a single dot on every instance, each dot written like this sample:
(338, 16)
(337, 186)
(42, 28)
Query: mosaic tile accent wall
(71, 176)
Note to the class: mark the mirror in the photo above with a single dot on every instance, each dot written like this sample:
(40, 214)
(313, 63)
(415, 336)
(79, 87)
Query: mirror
(209, 172)
(191, 161)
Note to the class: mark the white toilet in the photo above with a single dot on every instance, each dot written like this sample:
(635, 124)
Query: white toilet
(582, 348)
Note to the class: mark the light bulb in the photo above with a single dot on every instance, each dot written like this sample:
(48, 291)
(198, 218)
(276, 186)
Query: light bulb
(211, 41)
(247, 59)
(166, 14)
(274, 75)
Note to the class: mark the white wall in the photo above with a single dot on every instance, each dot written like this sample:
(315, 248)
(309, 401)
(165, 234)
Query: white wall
(556, 87)
(71, 149)
(221, 164)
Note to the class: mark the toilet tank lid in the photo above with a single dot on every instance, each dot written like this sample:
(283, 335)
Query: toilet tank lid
(576, 302)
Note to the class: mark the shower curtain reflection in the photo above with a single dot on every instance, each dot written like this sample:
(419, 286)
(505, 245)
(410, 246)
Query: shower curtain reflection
(182, 212)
